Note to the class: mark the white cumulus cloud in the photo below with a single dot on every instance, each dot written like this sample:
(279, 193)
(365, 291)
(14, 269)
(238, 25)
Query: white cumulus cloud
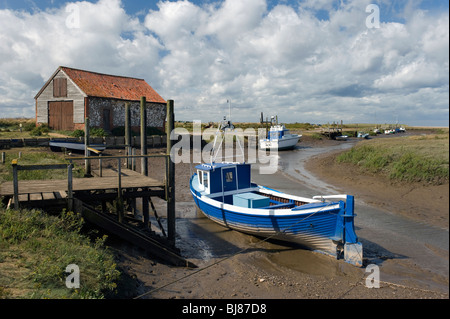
(284, 59)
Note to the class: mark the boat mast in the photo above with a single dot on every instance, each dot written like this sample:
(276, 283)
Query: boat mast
(222, 128)
(229, 112)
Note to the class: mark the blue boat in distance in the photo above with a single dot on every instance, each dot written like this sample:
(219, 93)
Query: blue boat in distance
(225, 194)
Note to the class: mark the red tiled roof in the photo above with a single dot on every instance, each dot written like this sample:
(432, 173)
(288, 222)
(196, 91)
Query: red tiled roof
(112, 86)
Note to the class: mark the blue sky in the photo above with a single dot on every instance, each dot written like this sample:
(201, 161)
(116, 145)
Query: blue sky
(392, 9)
(314, 61)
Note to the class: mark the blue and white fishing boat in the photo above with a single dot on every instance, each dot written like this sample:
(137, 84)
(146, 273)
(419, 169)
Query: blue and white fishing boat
(225, 194)
(279, 137)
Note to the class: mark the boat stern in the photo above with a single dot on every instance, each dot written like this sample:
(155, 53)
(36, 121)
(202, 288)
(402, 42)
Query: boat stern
(353, 251)
(353, 254)
(345, 237)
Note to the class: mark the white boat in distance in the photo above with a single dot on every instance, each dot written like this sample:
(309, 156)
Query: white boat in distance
(279, 138)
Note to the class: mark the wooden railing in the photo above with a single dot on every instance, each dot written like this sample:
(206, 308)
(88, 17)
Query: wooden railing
(16, 168)
(131, 158)
(110, 142)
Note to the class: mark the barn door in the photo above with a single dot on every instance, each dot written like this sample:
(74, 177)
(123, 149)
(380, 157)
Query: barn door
(60, 115)
(106, 119)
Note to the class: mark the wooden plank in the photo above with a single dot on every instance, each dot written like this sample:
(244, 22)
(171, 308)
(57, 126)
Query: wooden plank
(48, 196)
(36, 196)
(38, 167)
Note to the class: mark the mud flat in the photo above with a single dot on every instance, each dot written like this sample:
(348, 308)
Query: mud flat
(412, 255)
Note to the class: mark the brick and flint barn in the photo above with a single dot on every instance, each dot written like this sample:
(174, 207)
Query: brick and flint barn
(71, 95)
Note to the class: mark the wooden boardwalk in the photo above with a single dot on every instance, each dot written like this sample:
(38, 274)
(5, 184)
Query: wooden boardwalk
(109, 181)
(120, 188)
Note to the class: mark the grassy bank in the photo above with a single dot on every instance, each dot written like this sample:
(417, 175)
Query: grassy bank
(411, 159)
(35, 250)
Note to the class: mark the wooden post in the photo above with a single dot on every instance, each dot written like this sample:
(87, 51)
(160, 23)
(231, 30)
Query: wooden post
(15, 184)
(119, 205)
(144, 160)
(87, 162)
(133, 160)
(170, 178)
(132, 203)
(145, 211)
(3, 157)
(100, 168)
(128, 132)
(70, 187)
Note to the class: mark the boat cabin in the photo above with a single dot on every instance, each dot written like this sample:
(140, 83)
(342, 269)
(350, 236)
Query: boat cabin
(223, 177)
(277, 132)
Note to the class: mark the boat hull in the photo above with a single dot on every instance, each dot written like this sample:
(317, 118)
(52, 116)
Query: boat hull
(314, 232)
(326, 227)
(279, 144)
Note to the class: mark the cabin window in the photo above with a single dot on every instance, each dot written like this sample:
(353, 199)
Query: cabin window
(200, 177)
(229, 177)
(205, 179)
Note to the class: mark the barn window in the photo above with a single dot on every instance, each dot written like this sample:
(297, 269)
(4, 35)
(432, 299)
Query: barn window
(60, 87)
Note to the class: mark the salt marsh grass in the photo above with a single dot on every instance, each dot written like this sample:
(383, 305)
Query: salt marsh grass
(422, 158)
(35, 249)
(30, 156)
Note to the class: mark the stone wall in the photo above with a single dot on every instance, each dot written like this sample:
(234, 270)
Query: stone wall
(156, 112)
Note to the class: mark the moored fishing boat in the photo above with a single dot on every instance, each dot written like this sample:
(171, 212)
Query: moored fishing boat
(279, 137)
(225, 194)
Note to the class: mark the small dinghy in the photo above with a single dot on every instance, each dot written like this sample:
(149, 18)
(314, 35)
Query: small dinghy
(58, 145)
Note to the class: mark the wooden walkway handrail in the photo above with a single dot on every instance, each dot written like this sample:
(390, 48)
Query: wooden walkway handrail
(115, 157)
(16, 168)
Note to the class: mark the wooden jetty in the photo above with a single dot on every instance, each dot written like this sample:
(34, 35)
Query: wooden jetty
(120, 187)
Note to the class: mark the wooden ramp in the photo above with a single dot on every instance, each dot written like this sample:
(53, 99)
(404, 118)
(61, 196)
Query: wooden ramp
(134, 235)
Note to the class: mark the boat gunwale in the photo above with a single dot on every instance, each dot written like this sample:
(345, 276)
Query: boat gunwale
(268, 212)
